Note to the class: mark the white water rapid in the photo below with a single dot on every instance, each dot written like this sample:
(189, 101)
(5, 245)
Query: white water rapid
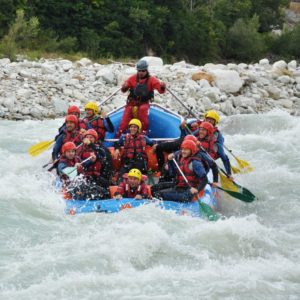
(147, 253)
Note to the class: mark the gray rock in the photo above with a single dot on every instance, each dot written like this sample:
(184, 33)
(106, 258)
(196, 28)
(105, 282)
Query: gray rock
(274, 92)
(286, 103)
(60, 106)
(227, 81)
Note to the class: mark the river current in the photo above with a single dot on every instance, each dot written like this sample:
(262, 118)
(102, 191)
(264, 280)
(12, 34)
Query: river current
(147, 253)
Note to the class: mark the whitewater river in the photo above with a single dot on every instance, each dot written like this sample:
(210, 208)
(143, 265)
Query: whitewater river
(146, 253)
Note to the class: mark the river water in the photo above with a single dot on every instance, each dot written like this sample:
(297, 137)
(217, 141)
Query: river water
(147, 253)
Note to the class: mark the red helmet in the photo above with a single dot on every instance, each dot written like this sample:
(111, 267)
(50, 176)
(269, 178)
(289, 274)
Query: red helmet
(92, 132)
(68, 146)
(209, 127)
(190, 138)
(186, 144)
(72, 118)
(73, 109)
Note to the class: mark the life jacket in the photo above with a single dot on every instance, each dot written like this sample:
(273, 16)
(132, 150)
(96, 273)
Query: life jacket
(82, 124)
(98, 125)
(73, 136)
(134, 144)
(95, 168)
(185, 165)
(141, 91)
(210, 147)
(127, 192)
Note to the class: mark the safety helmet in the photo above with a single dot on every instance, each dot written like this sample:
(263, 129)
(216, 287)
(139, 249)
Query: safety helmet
(93, 106)
(92, 132)
(135, 122)
(73, 109)
(208, 126)
(142, 65)
(213, 115)
(187, 144)
(68, 146)
(135, 173)
(190, 138)
(71, 118)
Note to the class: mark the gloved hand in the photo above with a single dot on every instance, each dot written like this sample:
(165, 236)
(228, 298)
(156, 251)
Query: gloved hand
(163, 86)
(124, 87)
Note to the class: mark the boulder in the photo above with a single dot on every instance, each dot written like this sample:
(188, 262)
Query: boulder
(274, 92)
(264, 62)
(84, 62)
(227, 81)
(279, 65)
(153, 61)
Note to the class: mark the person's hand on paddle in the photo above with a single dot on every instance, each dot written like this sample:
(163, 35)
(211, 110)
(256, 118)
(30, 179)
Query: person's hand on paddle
(214, 184)
(138, 197)
(79, 167)
(103, 114)
(183, 124)
(93, 157)
(163, 86)
(171, 156)
(86, 141)
(230, 177)
(193, 191)
(116, 154)
(124, 87)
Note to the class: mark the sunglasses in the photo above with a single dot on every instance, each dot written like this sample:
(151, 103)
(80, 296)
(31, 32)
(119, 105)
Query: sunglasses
(142, 71)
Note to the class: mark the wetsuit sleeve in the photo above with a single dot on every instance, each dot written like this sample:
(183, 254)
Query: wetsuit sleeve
(155, 84)
(60, 131)
(212, 164)
(199, 170)
(60, 168)
(118, 144)
(57, 147)
(149, 142)
(224, 158)
(109, 126)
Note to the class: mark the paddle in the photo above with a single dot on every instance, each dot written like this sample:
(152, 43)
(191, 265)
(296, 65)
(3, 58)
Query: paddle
(235, 190)
(205, 209)
(40, 147)
(72, 172)
(181, 102)
(244, 165)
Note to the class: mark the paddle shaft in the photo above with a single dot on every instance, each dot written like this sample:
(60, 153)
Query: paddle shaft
(230, 151)
(180, 171)
(181, 102)
(109, 97)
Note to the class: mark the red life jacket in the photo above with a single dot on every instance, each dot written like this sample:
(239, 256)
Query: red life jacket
(127, 192)
(141, 92)
(134, 144)
(97, 125)
(95, 168)
(81, 124)
(185, 165)
(210, 147)
(73, 136)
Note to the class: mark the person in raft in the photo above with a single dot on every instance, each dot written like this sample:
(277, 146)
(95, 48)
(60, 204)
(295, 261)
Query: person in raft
(134, 155)
(99, 122)
(133, 186)
(141, 88)
(69, 159)
(193, 170)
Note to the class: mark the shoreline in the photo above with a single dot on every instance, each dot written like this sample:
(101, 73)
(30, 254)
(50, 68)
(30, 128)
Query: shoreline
(44, 89)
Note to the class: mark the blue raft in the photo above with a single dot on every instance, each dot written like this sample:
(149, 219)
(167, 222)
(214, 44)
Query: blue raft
(163, 124)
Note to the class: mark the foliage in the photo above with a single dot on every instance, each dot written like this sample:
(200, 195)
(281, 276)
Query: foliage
(244, 42)
(194, 30)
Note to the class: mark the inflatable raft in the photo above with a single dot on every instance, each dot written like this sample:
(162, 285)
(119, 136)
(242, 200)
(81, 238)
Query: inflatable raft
(163, 125)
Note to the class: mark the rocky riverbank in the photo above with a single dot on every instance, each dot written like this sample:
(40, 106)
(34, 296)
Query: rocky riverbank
(45, 88)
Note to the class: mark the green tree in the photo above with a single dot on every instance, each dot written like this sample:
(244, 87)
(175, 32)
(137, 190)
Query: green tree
(244, 42)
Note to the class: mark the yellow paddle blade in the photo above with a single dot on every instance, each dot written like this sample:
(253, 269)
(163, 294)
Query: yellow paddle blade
(244, 165)
(235, 170)
(40, 147)
(228, 184)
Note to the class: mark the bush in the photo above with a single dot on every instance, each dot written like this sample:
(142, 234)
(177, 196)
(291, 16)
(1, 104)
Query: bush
(244, 42)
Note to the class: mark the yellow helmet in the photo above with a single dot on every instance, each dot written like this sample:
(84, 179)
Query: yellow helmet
(213, 115)
(135, 122)
(135, 173)
(93, 106)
